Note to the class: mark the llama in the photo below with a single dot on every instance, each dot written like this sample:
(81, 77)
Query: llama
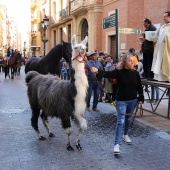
(64, 99)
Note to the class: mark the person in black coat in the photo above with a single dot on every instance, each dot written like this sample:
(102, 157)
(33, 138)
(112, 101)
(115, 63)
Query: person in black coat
(147, 49)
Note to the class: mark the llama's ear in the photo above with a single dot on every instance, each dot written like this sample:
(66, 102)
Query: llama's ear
(85, 40)
(73, 41)
(63, 42)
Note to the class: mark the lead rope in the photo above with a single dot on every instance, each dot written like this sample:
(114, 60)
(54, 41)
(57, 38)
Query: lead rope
(114, 104)
(141, 113)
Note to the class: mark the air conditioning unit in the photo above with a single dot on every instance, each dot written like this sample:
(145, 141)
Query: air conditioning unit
(63, 13)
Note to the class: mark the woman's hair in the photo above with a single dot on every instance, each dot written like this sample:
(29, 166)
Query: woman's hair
(122, 61)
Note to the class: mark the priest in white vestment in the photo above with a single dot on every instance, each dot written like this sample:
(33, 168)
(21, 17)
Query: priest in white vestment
(161, 58)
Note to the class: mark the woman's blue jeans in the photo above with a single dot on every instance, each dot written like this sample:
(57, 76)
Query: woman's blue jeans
(122, 108)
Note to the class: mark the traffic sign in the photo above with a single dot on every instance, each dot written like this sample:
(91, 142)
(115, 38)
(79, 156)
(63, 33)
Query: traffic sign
(109, 21)
(129, 31)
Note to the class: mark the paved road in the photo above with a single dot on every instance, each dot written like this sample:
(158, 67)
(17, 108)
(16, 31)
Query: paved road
(21, 150)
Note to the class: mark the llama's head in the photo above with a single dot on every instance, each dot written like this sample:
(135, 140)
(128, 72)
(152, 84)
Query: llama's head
(79, 50)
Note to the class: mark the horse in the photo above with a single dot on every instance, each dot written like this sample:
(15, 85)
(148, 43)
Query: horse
(64, 99)
(50, 63)
(12, 65)
(18, 64)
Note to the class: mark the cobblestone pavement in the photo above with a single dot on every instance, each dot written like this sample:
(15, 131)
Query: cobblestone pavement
(20, 149)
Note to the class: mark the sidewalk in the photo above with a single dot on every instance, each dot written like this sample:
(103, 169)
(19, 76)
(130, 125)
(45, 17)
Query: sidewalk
(150, 119)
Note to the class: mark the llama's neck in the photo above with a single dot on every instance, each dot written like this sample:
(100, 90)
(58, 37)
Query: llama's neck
(81, 84)
(79, 75)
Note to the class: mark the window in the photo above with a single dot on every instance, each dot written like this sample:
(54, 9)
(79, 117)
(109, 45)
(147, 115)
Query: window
(54, 33)
(54, 8)
(61, 35)
(69, 33)
(84, 29)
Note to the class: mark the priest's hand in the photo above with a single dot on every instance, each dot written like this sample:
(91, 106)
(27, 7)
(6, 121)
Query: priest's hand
(142, 39)
(142, 34)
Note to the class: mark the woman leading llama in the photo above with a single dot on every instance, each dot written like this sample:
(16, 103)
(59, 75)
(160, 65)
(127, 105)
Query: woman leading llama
(129, 93)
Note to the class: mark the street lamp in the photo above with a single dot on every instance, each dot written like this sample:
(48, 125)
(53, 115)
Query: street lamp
(24, 49)
(44, 24)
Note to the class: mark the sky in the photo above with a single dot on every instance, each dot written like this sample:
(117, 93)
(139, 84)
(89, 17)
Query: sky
(20, 10)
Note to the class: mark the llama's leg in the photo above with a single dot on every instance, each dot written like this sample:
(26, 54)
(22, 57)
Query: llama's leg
(34, 122)
(83, 126)
(78, 146)
(45, 122)
(66, 124)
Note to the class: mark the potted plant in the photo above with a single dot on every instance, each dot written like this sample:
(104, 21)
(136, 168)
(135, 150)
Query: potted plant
(44, 40)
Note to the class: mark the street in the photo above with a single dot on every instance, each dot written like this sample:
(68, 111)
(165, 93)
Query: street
(20, 148)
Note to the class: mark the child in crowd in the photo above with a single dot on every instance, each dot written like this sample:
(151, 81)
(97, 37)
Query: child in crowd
(64, 71)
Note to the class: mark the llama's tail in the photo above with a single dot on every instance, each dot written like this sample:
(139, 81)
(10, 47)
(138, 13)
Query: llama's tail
(30, 75)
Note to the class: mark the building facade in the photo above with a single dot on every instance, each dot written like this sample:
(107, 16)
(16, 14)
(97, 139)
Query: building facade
(85, 17)
(35, 36)
(2, 20)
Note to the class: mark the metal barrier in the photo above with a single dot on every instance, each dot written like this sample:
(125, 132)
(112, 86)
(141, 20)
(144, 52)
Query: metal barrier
(158, 84)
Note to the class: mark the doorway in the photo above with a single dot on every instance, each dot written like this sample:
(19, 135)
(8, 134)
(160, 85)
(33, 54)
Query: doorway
(113, 47)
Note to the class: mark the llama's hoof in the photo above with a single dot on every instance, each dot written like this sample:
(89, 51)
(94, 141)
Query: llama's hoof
(42, 138)
(51, 135)
(70, 148)
(78, 146)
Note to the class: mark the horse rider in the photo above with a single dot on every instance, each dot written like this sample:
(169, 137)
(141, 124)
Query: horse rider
(9, 54)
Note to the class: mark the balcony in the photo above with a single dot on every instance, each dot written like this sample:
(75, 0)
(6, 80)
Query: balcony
(34, 43)
(33, 33)
(60, 17)
(78, 7)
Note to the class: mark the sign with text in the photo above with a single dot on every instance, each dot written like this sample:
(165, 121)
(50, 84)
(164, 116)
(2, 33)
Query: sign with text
(109, 21)
(129, 31)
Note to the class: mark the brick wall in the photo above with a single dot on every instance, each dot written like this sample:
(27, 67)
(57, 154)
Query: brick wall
(131, 15)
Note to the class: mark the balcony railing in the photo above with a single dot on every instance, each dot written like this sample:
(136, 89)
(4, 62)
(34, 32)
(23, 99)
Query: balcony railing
(78, 4)
(64, 13)
(34, 43)
(33, 32)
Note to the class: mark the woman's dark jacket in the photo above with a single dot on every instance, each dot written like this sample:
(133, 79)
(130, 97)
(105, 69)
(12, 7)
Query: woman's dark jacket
(129, 83)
